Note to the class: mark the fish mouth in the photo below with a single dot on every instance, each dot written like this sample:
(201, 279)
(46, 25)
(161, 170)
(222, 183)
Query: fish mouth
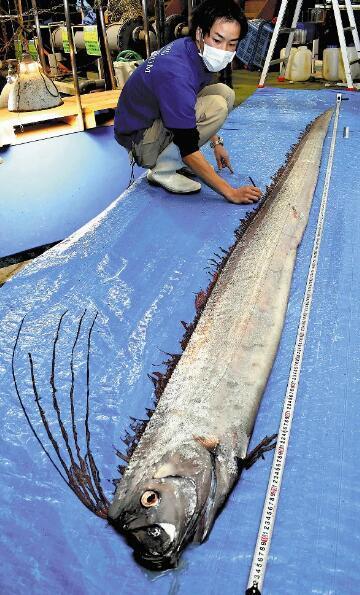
(161, 562)
(155, 557)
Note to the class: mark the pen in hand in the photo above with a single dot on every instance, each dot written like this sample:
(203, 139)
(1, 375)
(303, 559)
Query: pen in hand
(252, 181)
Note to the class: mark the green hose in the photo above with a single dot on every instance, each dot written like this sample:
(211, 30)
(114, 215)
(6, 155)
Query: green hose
(128, 56)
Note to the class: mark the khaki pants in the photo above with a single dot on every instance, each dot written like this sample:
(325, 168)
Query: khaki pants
(213, 105)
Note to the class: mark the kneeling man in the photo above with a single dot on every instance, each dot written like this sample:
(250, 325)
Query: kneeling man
(168, 109)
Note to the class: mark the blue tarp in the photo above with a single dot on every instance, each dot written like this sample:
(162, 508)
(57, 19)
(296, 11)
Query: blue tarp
(138, 265)
(51, 187)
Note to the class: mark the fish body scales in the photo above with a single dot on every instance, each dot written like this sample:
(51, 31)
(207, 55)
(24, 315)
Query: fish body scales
(190, 453)
(216, 388)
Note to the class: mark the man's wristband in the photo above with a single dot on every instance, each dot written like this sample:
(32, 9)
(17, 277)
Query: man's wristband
(218, 141)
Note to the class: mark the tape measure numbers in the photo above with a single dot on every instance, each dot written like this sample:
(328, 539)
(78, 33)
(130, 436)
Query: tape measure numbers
(258, 568)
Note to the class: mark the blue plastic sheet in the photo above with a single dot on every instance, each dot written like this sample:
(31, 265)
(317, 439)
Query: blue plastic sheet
(50, 188)
(138, 265)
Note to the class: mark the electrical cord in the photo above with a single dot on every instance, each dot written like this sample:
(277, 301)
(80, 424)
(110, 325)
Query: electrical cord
(47, 88)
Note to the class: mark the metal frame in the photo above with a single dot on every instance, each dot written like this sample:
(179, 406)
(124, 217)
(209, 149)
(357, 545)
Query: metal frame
(107, 49)
(73, 64)
(146, 27)
(72, 54)
(40, 47)
(291, 36)
(340, 30)
(190, 9)
(160, 22)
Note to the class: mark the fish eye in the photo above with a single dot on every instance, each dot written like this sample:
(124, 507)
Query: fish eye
(154, 531)
(149, 499)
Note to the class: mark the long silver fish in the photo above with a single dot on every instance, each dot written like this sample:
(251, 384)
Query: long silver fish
(191, 453)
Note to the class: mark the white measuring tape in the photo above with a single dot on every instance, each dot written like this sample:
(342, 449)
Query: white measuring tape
(258, 568)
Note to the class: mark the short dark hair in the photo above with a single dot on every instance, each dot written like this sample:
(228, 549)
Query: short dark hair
(205, 15)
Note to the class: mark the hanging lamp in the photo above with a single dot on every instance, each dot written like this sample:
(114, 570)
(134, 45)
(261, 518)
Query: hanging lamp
(32, 90)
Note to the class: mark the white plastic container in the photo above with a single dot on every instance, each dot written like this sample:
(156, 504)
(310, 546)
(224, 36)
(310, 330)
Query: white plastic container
(331, 63)
(288, 65)
(354, 68)
(123, 70)
(300, 65)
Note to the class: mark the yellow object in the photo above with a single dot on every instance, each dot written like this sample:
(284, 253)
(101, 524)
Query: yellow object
(91, 40)
(331, 64)
(300, 65)
(65, 40)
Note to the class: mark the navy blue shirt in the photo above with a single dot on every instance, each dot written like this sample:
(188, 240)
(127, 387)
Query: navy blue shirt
(165, 86)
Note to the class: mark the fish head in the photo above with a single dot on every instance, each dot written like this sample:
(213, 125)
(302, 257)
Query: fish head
(158, 514)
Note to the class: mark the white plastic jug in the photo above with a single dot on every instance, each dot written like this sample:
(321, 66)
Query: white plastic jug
(354, 68)
(123, 70)
(288, 65)
(331, 63)
(300, 66)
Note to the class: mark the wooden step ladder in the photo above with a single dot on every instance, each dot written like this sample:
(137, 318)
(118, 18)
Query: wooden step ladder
(341, 33)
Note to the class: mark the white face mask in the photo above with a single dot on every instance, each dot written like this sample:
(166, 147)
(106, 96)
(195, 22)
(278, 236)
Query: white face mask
(215, 59)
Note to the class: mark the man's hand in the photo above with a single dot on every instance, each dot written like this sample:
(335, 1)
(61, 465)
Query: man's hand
(222, 157)
(243, 195)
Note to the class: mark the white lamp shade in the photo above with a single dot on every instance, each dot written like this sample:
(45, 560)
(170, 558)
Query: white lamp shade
(32, 90)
